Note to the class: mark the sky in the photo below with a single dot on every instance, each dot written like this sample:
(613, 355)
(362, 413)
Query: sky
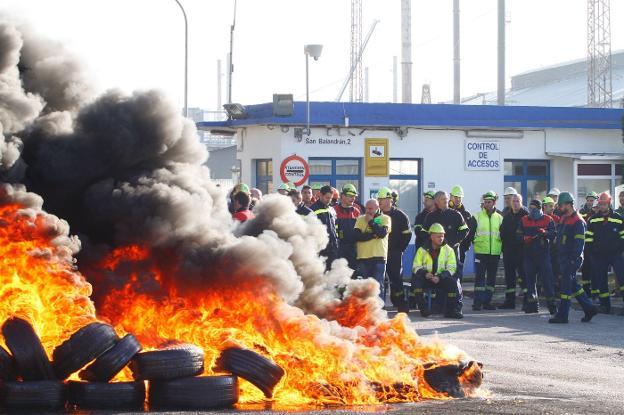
(139, 44)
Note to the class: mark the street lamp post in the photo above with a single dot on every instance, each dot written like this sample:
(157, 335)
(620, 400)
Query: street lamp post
(185, 59)
(315, 52)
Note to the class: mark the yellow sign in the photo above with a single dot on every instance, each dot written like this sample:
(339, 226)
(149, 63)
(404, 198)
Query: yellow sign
(376, 157)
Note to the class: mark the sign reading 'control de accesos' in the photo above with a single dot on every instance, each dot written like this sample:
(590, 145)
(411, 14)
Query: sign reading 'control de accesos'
(482, 155)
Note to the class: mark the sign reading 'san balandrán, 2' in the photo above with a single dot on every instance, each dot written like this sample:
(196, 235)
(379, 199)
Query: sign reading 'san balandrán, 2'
(482, 155)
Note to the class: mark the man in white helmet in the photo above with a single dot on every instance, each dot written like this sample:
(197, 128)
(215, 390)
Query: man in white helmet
(509, 193)
(554, 195)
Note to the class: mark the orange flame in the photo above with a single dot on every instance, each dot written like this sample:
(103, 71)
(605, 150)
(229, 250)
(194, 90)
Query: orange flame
(38, 281)
(349, 361)
(352, 360)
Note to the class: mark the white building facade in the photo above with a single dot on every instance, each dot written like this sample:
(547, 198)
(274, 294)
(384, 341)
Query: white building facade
(433, 147)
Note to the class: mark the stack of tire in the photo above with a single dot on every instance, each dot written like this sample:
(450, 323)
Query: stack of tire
(30, 381)
(174, 377)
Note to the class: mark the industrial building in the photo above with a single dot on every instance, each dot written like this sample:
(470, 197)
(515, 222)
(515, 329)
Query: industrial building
(415, 147)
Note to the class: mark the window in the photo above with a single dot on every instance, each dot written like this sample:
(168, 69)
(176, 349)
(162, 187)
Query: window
(335, 172)
(405, 178)
(264, 175)
(598, 177)
(531, 178)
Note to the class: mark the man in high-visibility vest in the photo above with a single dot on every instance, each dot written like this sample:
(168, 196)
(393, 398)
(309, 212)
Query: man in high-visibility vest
(434, 267)
(487, 248)
(605, 239)
(397, 243)
(570, 245)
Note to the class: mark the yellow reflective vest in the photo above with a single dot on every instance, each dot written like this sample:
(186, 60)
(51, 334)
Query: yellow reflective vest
(446, 260)
(487, 238)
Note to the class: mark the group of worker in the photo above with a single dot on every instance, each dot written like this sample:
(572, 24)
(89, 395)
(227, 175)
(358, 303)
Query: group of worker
(542, 245)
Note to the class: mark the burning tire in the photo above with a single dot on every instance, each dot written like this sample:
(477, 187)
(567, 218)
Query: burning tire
(253, 367)
(194, 393)
(49, 394)
(448, 379)
(177, 362)
(7, 367)
(101, 395)
(82, 347)
(105, 367)
(31, 361)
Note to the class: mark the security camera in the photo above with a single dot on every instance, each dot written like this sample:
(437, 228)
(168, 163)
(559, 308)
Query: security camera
(313, 50)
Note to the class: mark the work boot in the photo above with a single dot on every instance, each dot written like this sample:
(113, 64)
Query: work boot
(589, 314)
(489, 306)
(425, 312)
(558, 320)
(454, 314)
(403, 308)
(531, 307)
(552, 309)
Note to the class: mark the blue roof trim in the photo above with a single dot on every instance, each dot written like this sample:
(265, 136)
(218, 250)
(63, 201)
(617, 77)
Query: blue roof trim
(431, 115)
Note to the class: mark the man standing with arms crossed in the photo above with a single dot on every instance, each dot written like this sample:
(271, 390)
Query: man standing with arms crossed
(371, 232)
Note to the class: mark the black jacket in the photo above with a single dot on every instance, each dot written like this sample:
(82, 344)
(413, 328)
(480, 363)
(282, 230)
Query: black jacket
(605, 234)
(510, 227)
(453, 223)
(469, 219)
(421, 237)
(327, 216)
(400, 234)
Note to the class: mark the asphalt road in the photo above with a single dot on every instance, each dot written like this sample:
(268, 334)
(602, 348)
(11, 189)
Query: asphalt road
(530, 366)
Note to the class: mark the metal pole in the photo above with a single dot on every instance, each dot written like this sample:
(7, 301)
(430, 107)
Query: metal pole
(395, 81)
(456, 50)
(406, 51)
(307, 97)
(185, 60)
(501, 53)
(230, 57)
(219, 76)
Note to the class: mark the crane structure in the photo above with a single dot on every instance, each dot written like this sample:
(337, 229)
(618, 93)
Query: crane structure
(599, 79)
(358, 60)
(356, 90)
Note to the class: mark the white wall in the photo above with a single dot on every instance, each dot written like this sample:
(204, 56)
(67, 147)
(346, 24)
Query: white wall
(441, 150)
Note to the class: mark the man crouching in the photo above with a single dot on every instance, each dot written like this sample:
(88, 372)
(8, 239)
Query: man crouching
(434, 268)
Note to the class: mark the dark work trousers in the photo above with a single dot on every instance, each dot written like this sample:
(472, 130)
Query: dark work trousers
(570, 288)
(586, 274)
(600, 275)
(393, 269)
(485, 277)
(514, 273)
(539, 266)
(459, 257)
(448, 287)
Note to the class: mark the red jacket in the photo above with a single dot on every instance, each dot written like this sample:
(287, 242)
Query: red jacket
(243, 215)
